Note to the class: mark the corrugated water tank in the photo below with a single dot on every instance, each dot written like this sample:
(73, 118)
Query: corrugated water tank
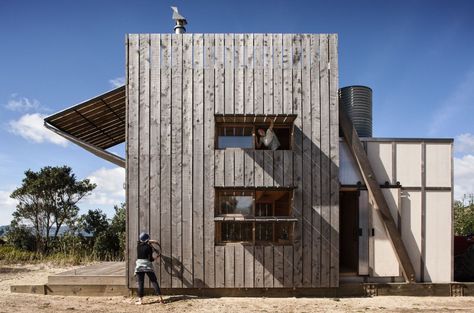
(357, 102)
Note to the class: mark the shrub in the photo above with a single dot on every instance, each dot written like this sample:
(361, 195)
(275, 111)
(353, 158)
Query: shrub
(21, 237)
(106, 246)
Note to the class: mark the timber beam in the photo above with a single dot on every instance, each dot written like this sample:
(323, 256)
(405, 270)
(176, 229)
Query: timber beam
(101, 153)
(375, 192)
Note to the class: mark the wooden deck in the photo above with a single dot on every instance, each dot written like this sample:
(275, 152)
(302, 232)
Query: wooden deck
(101, 279)
(109, 279)
(105, 273)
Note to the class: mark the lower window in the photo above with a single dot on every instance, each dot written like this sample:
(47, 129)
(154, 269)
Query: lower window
(254, 216)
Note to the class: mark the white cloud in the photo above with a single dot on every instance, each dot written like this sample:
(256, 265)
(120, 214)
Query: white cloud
(109, 190)
(464, 143)
(117, 82)
(7, 206)
(23, 104)
(31, 127)
(463, 176)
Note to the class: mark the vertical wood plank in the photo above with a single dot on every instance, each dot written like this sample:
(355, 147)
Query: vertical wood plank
(288, 266)
(249, 266)
(187, 153)
(298, 162)
(229, 167)
(258, 74)
(249, 72)
(176, 158)
(239, 266)
(198, 160)
(219, 156)
(210, 92)
(316, 161)
(239, 73)
(278, 168)
(133, 56)
(220, 266)
(239, 167)
(259, 263)
(267, 73)
(219, 73)
(278, 266)
(277, 73)
(287, 74)
(165, 179)
(325, 164)
(288, 168)
(258, 170)
(268, 268)
(128, 262)
(268, 168)
(249, 168)
(307, 160)
(144, 136)
(229, 266)
(155, 142)
(229, 74)
(334, 158)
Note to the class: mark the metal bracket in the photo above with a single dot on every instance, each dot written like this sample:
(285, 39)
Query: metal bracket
(457, 290)
(370, 290)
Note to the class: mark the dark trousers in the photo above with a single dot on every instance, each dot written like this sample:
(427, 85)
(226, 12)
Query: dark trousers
(141, 282)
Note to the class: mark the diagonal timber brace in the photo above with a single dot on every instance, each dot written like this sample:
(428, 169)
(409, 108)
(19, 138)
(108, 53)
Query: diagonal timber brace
(101, 153)
(381, 206)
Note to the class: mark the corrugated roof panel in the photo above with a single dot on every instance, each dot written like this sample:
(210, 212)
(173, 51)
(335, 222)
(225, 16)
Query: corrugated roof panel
(99, 121)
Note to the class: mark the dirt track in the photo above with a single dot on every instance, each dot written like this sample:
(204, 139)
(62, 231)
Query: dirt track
(37, 274)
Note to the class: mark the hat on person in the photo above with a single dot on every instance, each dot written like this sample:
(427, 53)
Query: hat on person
(144, 237)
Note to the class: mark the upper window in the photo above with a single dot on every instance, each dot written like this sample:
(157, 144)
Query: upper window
(235, 137)
(254, 132)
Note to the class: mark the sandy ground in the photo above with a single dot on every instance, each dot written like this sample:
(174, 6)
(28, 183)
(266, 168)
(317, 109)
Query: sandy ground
(37, 274)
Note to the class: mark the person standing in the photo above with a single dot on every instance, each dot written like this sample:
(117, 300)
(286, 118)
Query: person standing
(144, 265)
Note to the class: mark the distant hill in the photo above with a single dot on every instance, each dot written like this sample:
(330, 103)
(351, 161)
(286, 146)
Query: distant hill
(5, 228)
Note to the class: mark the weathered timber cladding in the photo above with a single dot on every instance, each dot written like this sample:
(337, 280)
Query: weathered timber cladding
(175, 85)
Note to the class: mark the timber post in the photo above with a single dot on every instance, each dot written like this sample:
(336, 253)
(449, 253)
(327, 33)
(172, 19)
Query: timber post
(381, 205)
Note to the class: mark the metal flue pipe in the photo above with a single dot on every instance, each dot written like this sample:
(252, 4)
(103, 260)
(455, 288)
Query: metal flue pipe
(180, 22)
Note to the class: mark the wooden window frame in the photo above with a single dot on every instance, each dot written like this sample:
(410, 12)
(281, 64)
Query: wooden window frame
(254, 127)
(254, 219)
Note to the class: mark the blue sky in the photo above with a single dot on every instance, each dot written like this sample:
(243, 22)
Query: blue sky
(417, 56)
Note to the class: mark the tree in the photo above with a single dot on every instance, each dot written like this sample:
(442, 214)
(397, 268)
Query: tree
(48, 198)
(118, 227)
(118, 221)
(94, 222)
(106, 246)
(464, 217)
(20, 237)
(108, 241)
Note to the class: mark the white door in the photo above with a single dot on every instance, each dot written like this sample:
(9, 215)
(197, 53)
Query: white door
(364, 232)
(382, 257)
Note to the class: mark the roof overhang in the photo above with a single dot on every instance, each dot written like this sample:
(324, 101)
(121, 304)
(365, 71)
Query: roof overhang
(95, 125)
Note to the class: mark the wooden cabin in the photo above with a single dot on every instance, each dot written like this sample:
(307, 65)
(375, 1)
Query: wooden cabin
(231, 215)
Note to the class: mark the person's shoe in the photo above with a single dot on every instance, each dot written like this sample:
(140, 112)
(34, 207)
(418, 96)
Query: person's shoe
(139, 302)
